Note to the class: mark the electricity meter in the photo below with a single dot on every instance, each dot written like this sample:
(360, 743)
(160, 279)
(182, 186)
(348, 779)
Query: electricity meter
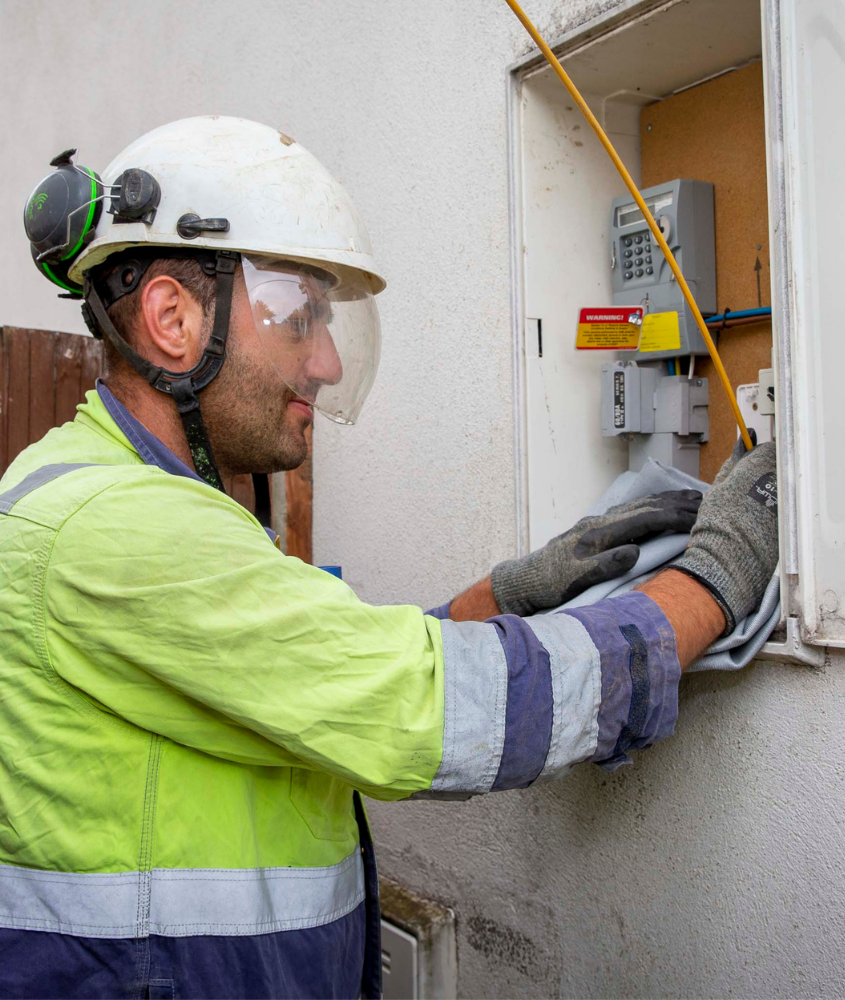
(641, 277)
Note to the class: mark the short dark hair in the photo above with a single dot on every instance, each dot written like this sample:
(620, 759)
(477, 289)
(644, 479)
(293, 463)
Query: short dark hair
(124, 312)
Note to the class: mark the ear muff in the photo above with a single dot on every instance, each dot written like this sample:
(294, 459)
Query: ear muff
(60, 217)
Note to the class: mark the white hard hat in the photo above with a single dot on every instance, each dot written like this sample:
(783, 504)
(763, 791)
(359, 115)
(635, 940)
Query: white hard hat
(227, 192)
(278, 199)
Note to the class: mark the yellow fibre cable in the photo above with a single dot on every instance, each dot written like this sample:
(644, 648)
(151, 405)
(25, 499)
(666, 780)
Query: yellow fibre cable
(649, 218)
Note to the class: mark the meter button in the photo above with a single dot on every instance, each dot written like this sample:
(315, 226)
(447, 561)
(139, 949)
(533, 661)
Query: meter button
(629, 253)
(628, 242)
(648, 260)
(639, 261)
(628, 275)
(638, 239)
(648, 248)
(639, 272)
(649, 270)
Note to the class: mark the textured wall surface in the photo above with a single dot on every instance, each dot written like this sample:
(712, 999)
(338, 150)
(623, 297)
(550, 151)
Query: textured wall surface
(714, 866)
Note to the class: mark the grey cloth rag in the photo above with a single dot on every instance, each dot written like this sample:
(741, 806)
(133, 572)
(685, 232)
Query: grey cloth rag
(731, 652)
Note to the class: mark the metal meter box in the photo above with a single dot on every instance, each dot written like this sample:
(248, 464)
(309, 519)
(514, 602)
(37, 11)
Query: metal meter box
(641, 277)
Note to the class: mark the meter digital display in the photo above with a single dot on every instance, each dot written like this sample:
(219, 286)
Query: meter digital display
(627, 215)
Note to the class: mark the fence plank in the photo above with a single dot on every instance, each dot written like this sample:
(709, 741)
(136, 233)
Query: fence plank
(92, 363)
(243, 492)
(4, 401)
(42, 383)
(299, 495)
(68, 376)
(17, 352)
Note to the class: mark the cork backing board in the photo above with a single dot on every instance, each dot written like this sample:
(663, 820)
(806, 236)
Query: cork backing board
(716, 132)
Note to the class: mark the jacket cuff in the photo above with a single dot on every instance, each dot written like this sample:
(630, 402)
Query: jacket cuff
(640, 673)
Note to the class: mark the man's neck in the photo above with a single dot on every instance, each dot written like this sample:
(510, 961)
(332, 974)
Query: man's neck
(158, 414)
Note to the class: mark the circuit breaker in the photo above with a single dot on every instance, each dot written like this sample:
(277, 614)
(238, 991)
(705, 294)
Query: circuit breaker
(684, 210)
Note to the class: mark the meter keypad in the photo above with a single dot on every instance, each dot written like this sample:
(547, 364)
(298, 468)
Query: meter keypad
(636, 258)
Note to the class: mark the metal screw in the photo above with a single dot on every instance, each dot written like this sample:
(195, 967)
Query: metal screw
(648, 129)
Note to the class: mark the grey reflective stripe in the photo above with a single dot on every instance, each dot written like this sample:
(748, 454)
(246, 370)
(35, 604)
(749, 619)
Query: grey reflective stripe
(80, 904)
(576, 687)
(45, 474)
(183, 901)
(476, 695)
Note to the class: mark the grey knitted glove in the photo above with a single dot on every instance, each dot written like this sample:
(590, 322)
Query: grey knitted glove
(734, 546)
(596, 549)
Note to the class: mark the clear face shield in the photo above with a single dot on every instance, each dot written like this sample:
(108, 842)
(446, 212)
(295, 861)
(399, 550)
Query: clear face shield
(319, 329)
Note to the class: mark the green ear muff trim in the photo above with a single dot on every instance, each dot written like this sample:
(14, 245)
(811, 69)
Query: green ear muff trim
(92, 206)
(58, 281)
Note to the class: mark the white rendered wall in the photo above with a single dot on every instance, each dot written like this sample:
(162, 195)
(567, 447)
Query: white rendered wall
(714, 866)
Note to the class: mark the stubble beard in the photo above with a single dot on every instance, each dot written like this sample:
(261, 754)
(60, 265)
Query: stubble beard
(249, 424)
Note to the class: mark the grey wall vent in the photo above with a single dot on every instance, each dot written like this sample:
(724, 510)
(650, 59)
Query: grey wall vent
(419, 954)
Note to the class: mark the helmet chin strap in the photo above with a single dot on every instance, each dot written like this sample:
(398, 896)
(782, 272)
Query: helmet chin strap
(184, 387)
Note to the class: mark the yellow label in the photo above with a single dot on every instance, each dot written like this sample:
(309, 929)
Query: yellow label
(607, 337)
(661, 332)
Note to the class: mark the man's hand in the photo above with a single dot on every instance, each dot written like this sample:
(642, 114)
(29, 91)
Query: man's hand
(733, 551)
(597, 549)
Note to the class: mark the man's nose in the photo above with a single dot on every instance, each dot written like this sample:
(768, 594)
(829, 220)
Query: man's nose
(324, 364)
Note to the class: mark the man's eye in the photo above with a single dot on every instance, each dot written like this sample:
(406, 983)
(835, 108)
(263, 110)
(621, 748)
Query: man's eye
(298, 327)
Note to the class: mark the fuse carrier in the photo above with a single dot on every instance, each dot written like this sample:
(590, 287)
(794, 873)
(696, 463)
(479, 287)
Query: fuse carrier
(663, 417)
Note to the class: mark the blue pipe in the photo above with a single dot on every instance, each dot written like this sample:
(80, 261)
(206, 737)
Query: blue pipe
(740, 314)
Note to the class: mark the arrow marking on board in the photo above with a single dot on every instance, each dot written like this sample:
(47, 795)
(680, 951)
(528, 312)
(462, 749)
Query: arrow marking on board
(758, 267)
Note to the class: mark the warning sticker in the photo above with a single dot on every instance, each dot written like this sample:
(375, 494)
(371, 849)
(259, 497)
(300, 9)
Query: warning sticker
(661, 332)
(616, 329)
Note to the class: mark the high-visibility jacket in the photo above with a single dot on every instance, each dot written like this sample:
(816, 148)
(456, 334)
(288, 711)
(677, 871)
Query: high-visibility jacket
(187, 717)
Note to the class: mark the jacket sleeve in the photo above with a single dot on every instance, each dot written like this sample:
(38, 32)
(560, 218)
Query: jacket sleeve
(191, 624)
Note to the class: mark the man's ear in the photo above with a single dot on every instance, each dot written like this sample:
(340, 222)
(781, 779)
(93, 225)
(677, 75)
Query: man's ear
(173, 320)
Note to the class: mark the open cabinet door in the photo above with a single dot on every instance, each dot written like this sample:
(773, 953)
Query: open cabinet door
(805, 54)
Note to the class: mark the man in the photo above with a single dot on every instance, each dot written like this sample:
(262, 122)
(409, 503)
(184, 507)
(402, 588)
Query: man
(188, 716)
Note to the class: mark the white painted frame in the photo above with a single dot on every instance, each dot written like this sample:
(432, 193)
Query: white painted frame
(791, 453)
(810, 467)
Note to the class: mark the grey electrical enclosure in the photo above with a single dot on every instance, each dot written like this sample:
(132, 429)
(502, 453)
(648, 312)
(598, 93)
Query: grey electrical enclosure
(684, 211)
(663, 417)
(398, 963)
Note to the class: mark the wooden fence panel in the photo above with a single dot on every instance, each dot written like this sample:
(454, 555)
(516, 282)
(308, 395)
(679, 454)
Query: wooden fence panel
(68, 375)
(42, 383)
(17, 429)
(43, 375)
(4, 401)
(92, 364)
(298, 511)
